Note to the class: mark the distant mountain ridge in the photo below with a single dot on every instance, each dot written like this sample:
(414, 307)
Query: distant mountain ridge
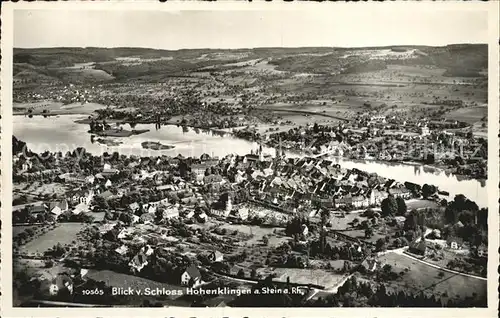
(129, 63)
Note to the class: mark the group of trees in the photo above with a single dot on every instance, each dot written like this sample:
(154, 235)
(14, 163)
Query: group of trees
(25, 216)
(392, 206)
(356, 293)
(334, 252)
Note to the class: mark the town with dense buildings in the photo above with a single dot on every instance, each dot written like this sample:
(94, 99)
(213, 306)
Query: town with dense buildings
(284, 222)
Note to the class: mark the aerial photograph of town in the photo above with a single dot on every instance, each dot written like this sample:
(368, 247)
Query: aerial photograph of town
(177, 159)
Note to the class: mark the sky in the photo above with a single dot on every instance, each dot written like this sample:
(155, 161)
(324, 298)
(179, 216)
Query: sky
(342, 27)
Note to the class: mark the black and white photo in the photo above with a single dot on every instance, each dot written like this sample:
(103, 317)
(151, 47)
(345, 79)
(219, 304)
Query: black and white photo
(249, 158)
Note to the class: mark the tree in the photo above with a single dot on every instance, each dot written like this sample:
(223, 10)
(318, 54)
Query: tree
(159, 215)
(125, 218)
(428, 190)
(402, 209)
(413, 220)
(389, 206)
(368, 232)
(241, 273)
(253, 273)
(265, 240)
(316, 128)
(380, 244)
(430, 159)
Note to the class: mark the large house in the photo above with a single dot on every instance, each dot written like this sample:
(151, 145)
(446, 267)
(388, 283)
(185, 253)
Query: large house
(375, 196)
(191, 276)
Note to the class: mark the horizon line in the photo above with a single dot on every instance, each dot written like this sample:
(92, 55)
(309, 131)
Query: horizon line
(252, 48)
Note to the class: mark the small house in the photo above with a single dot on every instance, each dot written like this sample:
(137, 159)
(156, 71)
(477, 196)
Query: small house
(134, 206)
(454, 242)
(369, 264)
(216, 256)
(305, 230)
(90, 179)
(138, 262)
(122, 250)
(243, 214)
(108, 183)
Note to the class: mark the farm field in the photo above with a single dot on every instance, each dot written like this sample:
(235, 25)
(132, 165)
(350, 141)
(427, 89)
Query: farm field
(422, 277)
(65, 233)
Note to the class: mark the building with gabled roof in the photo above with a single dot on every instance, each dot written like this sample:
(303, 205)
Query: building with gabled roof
(191, 276)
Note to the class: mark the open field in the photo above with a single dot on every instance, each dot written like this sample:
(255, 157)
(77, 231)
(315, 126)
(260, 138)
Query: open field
(420, 204)
(421, 277)
(54, 108)
(65, 233)
(469, 115)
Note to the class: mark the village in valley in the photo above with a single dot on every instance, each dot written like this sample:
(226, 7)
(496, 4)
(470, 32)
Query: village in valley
(271, 177)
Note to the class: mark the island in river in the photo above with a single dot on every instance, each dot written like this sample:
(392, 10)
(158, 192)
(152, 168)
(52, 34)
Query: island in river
(107, 142)
(156, 146)
(118, 132)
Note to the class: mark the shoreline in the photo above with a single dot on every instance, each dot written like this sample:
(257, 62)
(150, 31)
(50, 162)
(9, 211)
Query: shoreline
(228, 131)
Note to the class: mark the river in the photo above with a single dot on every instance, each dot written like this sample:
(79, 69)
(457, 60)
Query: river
(61, 133)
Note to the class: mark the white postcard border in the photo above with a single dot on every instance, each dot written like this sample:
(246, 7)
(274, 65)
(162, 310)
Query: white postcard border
(6, 176)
